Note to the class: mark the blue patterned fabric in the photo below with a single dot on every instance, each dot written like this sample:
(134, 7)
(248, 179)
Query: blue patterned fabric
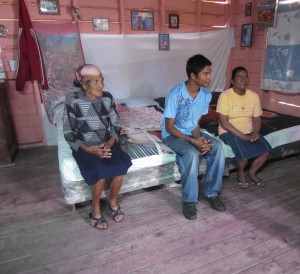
(282, 62)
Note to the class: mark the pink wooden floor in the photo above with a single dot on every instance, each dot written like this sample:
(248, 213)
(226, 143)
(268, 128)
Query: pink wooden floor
(258, 233)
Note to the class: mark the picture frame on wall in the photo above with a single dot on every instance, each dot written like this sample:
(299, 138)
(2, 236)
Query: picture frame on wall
(100, 24)
(164, 41)
(142, 20)
(173, 21)
(246, 35)
(248, 9)
(50, 7)
(266, 13)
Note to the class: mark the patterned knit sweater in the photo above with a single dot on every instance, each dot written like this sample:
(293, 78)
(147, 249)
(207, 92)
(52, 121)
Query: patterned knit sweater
(90, 122)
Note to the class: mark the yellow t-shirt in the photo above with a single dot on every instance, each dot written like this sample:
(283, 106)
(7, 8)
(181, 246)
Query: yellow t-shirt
(240, 109)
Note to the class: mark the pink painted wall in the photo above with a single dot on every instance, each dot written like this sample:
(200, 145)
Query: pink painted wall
(194, 16)
(253, 59)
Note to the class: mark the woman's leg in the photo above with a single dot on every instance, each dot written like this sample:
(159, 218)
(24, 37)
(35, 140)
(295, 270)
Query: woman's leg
(241, 165)
(97, 190)
(114, 193)
(256, 165)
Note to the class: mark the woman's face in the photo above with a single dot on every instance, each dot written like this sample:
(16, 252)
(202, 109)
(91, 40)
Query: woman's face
(240, 80)
(94, 87)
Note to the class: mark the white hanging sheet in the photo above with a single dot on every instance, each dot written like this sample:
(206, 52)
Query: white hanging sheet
(133, 66)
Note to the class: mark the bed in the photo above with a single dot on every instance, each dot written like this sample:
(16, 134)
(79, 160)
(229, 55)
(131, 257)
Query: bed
(153, 162)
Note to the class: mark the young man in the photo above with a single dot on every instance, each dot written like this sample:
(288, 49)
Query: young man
(184, 106)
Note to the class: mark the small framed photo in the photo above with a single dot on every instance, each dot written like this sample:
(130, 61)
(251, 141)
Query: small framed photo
(100, 24)
(142, 20)
(246, 35)
(173, 21)
(48, 7)
(164, 41)
(248, 9)
(266, 13)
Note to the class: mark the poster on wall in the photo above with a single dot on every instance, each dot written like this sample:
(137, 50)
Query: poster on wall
(142, 20)
(246, 35)
(266, 13)
(164, 41)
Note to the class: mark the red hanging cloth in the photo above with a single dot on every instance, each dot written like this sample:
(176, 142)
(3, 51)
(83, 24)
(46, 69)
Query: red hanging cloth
(31, 65)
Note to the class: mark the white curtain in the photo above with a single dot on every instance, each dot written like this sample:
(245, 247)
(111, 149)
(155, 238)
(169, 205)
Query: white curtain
(133, 66)
(282, 62)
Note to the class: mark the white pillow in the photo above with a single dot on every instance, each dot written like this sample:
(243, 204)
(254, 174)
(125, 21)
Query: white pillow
(136, 101)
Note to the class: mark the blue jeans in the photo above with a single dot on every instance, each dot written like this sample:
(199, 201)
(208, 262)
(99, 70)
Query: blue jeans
(188, 159)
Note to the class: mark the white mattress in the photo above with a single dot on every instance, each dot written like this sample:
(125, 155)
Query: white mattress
(70, 171)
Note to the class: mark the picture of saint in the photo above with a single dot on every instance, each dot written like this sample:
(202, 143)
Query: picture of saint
(164, 42)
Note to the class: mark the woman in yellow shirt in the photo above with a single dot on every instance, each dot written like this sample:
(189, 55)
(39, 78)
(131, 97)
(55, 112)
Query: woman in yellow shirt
(239, 115)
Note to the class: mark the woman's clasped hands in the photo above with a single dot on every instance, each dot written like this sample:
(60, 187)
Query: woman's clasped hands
(252, 137)
(101, 150)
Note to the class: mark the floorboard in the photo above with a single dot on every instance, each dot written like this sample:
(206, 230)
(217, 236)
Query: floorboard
(258, 233)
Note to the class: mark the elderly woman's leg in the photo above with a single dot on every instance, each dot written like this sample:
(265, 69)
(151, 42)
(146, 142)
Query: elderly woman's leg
(97, 190)
(114, 206)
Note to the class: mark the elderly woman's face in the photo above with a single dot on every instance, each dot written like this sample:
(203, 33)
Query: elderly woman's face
(94, 87)
(240, 80)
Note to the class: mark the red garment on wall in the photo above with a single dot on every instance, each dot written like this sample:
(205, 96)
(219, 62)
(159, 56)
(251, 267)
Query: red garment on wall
(31, 65)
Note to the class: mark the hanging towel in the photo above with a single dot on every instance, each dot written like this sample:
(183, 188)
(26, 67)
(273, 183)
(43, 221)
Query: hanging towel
(31, 65)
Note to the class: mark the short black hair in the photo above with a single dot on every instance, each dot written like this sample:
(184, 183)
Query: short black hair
(196, 63)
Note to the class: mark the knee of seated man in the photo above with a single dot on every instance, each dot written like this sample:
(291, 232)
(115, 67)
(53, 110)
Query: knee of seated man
(217, 146)
(192, 153)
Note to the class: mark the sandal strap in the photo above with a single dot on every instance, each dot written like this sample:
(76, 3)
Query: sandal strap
(98, 221)
(116, 213)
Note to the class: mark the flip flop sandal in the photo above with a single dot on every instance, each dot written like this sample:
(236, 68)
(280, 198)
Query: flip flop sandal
(98, 221)
(116, 213)
(261, 183)
(241, 185)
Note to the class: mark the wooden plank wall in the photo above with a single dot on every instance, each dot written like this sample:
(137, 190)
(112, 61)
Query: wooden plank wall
(194, 16)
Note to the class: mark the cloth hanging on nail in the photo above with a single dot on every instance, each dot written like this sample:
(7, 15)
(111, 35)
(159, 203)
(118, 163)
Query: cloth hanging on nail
(31, 65)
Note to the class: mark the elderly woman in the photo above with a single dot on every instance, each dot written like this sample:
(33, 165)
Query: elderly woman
(92, 128)
(239, 116)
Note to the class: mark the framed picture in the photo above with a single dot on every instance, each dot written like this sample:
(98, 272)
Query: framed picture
(173, 21)
(246, 35)
(266, 13)
(3, 31)
(100, 24)
(48, 6)
(248, 9)
(142, 20)
(164, 41)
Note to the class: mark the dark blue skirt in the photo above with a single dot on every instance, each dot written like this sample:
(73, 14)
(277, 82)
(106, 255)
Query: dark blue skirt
(93, 168)
(244, 150)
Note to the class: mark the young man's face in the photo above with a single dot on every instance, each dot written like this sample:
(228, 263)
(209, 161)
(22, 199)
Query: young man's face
(203, 78)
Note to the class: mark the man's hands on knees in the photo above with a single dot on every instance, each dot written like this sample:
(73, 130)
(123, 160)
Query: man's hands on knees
(202, 144)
